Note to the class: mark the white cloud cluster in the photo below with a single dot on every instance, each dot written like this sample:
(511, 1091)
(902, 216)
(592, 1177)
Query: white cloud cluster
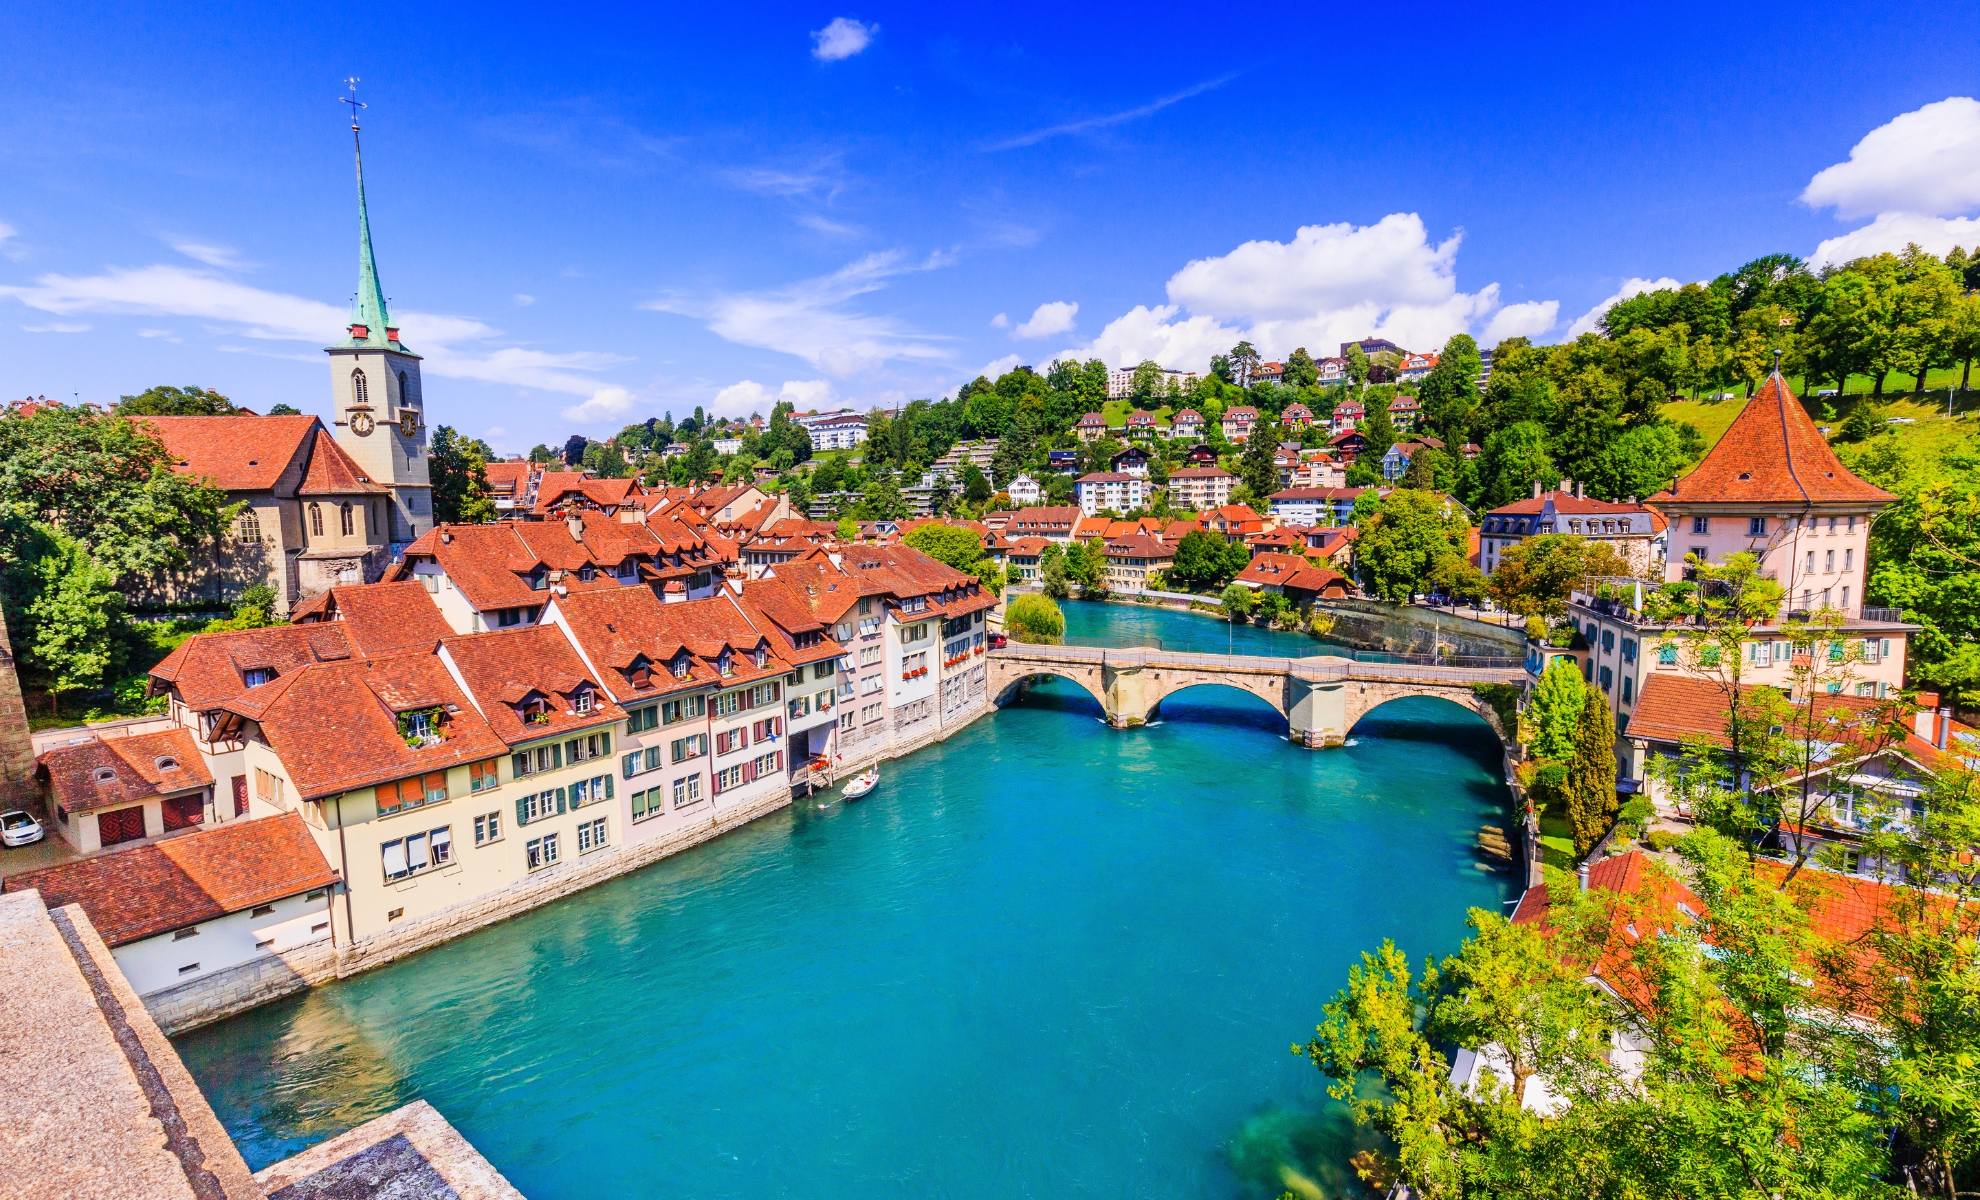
(454, 347)
(1329, 284)
(812, 320)
(841, 39)
(1917, 174)
(749, 396)
(1048, 319)
(1591, 321)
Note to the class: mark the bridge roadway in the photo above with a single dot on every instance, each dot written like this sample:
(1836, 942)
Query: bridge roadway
(1321, 697)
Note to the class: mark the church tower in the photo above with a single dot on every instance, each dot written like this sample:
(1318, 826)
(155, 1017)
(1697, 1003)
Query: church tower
(381, 419)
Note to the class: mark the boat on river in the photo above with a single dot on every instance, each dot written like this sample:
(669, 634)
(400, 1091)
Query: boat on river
(859, 785)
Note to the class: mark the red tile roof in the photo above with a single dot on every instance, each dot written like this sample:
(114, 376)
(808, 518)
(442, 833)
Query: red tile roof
(1673, 707)
(335, 726)
(503, 668)
(208, 669)
(161, 886)
(1140, 546)
(379, 618)
(1201, 473)
(136, 767)
(332, 472)
(1773, 453)
(236, 453)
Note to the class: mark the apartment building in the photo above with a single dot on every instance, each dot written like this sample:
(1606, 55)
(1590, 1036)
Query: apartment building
(1186, 425)
(1238, 421)
(1771, 487)
(1131, 560)
(1200, 488)
(1116, 490)
(1637, 532)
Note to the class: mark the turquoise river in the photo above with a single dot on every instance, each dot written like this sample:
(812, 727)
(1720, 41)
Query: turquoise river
(1044, 959)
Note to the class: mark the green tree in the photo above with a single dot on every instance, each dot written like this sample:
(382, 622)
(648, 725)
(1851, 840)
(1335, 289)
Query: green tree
(1404, 541)
(1259, 468)
(1244, 361)
(68, 621)
(1644, 460)
(1036, 619)
(1238, 602)
(1865, 421)
(976, 486)
(284, 410)
(1925, 561)
(1378, 430)
(1300, 369)
(1357, 365)
(958, 546)
(1591, 776)
(1086, 564)
(848, 530)
(1554, 714)
(1449, 393)
(1201, 560)
(1052, 572)
(167, 401)
(882, 500)
(1536, 575)
(1511, 461)
(458, 468)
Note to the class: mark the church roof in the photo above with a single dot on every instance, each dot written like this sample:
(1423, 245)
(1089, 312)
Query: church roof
(239, 454)
(333, 472)
(1773, 453)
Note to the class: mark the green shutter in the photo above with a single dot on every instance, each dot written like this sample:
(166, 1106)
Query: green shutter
(560, 799)
(556, 755)
(574, 750)
(519, 765)
(632, 724)
(608, 787)
(522, 811)
(605, 741)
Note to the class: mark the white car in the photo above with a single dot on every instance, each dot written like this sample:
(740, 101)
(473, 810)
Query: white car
(19, 829)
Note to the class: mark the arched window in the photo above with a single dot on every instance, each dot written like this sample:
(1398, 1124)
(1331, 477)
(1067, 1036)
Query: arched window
(344, 513)
(316, 520)
(359, 392)
(250, 527)
(404, 396)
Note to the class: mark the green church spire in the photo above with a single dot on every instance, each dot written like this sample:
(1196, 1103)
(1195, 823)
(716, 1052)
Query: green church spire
(368, 311)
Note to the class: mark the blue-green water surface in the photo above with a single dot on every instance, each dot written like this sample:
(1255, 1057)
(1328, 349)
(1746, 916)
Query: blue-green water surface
(1044, 959)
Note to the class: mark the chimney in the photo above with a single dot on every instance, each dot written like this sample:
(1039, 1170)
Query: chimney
(1629, 500)
(1577, 490)
(1945, 727)
(446, 539)
(1536, 489)
(1583, 875)
(575, 524)
(1922, 721)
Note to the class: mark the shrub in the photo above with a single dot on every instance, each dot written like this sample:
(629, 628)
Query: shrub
(1662, 839)
(1035, 618)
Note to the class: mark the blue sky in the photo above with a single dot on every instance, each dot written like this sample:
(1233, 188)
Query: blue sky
(585, 219)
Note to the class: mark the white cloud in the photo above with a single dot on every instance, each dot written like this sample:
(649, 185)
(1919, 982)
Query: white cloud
(1528, 319)
(1925, 161)
(749, 396)
(7, 231)
(1590, 321)
(158, 333)
(830, 228)
(1329, 284)
(55, 327)
(1091, 123)
(212, 256)
(1048, 319)
(999, 367)
(843, 38)
(524, 300)
(1000, 321)
(605, 403)
(810, 318)
(1893, 231)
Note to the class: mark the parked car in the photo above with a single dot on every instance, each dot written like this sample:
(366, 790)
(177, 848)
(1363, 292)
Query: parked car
(19, 829)
(998, 641)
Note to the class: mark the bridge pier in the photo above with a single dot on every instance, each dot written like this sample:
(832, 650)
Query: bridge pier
(1316, 712)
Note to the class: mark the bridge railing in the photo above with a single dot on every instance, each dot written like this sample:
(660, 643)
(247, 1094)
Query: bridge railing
(1312, 667)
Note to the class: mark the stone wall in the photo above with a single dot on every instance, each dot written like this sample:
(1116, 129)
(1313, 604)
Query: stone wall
(1407, 629)
(226, 993)
(16, 747)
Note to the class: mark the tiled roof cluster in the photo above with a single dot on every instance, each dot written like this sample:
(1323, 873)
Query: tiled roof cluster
(493, 566)
(1773, 453)
(512, 672)
(378, 618)
(210, 669)
(1673, 707)
(1270, 569)
(157, 887)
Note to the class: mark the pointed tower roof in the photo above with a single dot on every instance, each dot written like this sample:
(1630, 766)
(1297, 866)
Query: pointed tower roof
(1773, 454)
(333, 472)
(371, 322)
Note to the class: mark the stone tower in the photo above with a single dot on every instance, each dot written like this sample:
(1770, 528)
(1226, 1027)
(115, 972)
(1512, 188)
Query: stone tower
(381, 417)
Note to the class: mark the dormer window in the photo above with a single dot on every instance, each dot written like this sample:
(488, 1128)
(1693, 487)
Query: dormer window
(682, 665)
(106, 774)
(166, 762)
(581, 701)
(254, 677)
(725, 664)
(537, 579)
(586, 574)
(535, 710)
(640, 673)
(762, 658)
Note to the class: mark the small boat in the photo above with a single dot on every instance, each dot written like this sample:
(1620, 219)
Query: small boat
(859, 785)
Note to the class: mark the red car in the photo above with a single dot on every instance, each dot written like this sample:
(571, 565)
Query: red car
(998, 641)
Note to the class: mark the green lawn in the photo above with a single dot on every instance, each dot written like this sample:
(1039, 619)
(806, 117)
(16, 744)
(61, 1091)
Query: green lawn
(1931, 433)
(1556, 843)
(1116, 412)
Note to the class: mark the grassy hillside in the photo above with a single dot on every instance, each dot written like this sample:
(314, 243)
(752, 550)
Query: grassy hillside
(1930, 433)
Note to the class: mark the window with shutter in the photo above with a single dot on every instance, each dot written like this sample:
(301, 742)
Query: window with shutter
(560, 799)
(522, 810)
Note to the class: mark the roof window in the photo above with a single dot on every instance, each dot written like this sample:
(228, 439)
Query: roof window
(254, 677)
(166, 762)
(106, 774)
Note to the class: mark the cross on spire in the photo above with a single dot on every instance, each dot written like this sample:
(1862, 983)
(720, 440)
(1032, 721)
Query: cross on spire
(352, 100)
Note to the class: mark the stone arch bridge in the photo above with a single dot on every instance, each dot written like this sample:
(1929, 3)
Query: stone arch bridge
(1321, 697)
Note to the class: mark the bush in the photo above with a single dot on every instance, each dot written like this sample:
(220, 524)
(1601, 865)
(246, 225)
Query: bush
(1035, 618)
(1662, 839)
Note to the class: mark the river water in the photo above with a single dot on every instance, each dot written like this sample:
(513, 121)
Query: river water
(1044, 958)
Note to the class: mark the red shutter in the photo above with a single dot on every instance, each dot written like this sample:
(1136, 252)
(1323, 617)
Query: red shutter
(240, 796)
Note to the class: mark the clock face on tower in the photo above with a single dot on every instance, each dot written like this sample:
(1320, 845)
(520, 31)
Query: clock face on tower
(408, 422)
(361, 423)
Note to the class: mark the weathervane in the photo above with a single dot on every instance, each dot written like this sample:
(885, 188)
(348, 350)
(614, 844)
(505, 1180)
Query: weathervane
(353, 101)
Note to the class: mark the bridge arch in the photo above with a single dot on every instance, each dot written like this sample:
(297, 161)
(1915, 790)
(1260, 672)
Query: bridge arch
(1270, 689)
(1375, 696)
(1005, 688)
